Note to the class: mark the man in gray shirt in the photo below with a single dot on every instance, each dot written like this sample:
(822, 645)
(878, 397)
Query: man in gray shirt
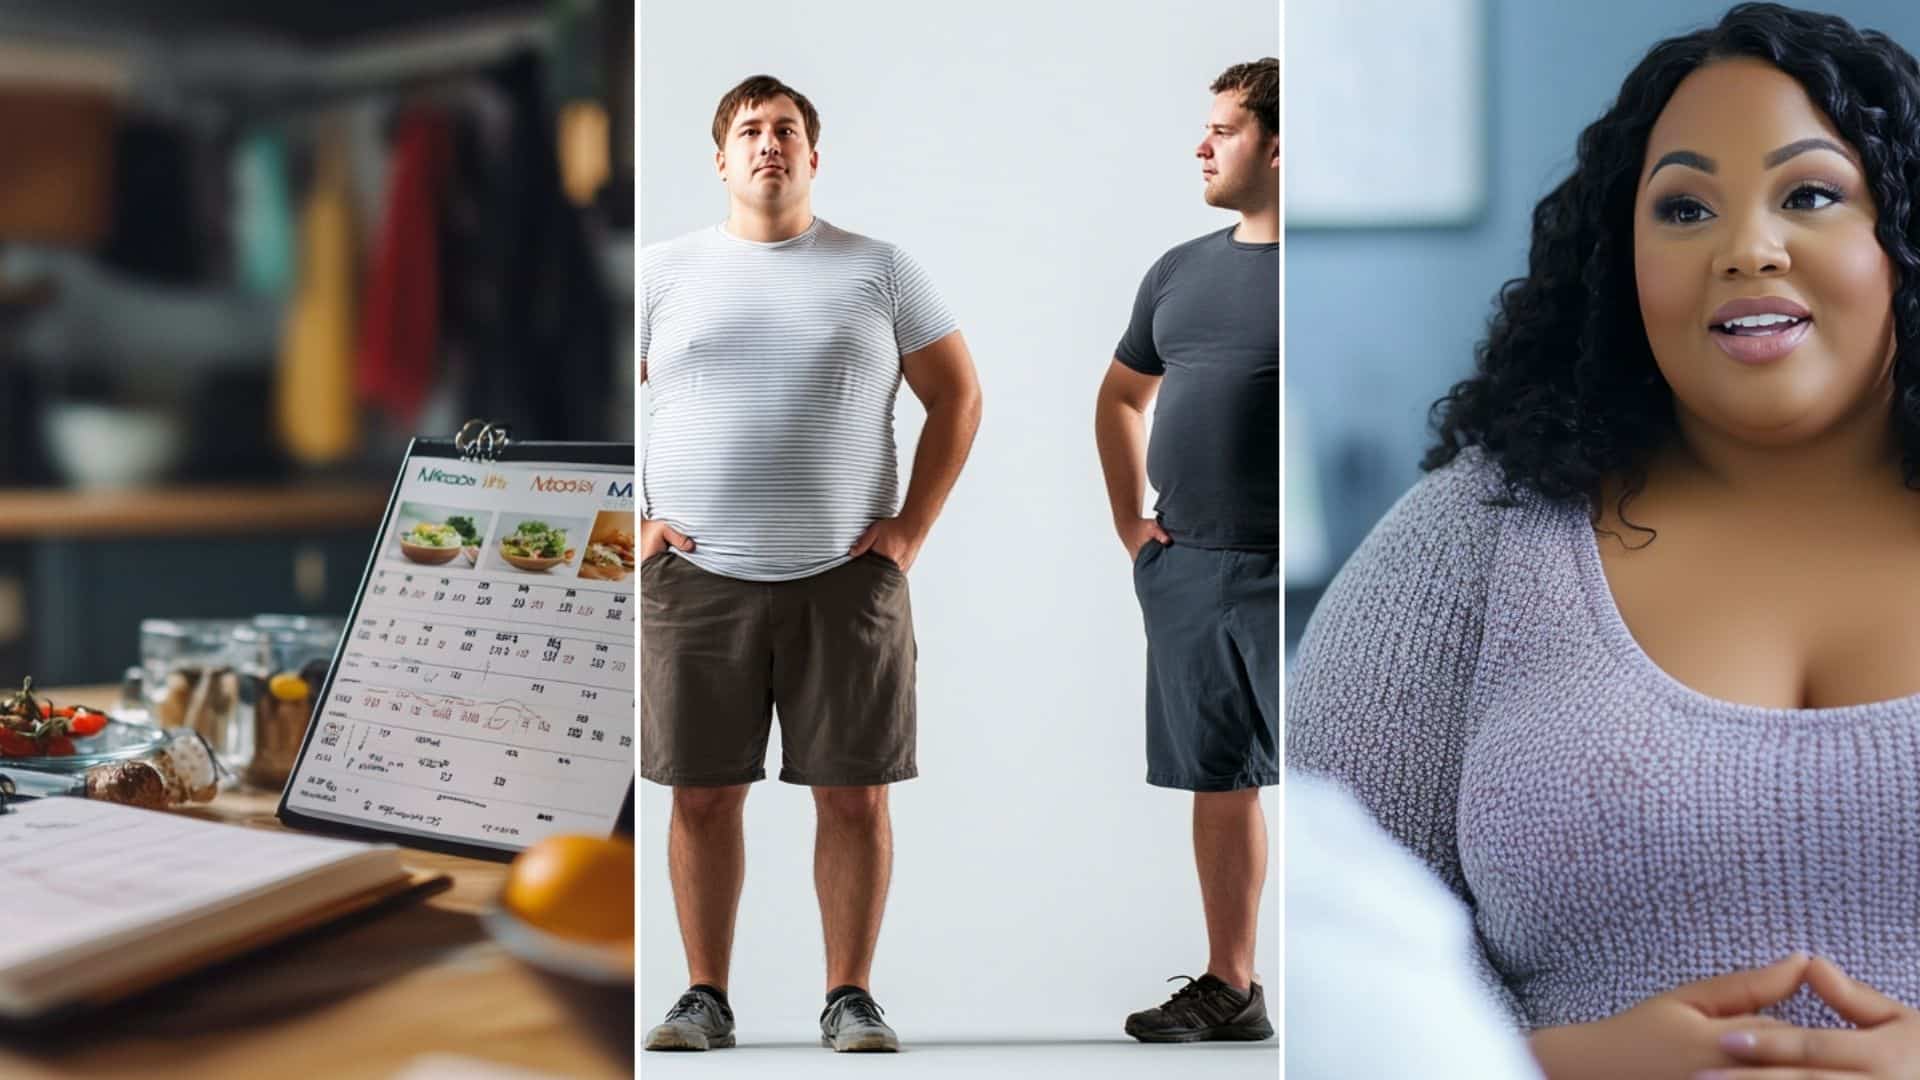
(775, 547)
(1205, 338)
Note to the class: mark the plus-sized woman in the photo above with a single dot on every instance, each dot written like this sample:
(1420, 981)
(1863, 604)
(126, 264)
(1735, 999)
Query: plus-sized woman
(1636, 667)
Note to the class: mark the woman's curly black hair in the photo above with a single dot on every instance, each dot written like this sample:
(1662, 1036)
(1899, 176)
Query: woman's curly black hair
(1565, 391)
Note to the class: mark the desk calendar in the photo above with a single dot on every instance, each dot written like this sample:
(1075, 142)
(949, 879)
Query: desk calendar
(483, 695)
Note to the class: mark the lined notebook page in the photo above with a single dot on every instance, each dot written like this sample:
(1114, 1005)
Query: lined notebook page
(75, 871)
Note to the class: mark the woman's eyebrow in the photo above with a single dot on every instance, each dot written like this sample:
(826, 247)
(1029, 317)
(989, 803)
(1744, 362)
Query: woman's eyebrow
(1688, 158)
(1786, 153)
(1795, 149)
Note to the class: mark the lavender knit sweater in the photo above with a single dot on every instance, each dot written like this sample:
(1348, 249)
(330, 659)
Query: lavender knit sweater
(1614, 833)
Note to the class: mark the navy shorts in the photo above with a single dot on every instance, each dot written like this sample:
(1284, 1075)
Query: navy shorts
(1213, 665)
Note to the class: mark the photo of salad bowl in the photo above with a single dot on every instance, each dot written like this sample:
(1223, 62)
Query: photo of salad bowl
(535, 546)
(435, 536)
(536, 563)
(427, 554)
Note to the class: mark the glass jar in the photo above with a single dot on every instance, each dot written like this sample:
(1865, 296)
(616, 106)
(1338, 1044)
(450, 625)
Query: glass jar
(283, 662)
(190, 682)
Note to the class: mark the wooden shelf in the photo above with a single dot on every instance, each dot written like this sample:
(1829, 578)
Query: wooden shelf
(36, 513)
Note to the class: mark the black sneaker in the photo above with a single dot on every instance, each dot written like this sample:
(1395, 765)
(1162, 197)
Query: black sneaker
(1204, 1009)
(698, 1021)
(853, 1024)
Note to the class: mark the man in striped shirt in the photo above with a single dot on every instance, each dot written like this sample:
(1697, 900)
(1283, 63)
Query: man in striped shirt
(775, 548)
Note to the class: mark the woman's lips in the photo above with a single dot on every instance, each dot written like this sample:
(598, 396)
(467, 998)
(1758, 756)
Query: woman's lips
(1762, 348)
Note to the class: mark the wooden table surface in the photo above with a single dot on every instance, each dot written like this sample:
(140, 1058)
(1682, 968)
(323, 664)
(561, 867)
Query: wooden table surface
(361, 998)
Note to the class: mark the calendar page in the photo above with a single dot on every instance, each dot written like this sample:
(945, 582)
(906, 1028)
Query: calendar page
(483, 696)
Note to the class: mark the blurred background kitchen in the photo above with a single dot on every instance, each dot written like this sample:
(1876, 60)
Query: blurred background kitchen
(247, 250)
(1419, 136)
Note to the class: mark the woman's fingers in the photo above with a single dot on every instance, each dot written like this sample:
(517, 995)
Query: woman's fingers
(1820, 1048)
(1748, 991)
(1854, 1000)
(1780, 1075)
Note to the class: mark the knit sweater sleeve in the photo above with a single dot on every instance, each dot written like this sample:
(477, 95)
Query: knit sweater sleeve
(1382, 682)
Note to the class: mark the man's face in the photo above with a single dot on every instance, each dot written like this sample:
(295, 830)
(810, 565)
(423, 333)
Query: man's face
(1239, 161)
(767, 162)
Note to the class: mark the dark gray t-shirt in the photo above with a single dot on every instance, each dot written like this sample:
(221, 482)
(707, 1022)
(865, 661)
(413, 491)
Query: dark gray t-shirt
(1207, 318)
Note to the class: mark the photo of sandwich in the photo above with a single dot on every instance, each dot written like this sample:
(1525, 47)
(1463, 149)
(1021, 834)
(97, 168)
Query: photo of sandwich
(609, 554)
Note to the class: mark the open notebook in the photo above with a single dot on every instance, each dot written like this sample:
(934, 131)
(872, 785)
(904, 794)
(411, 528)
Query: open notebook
(104, 900)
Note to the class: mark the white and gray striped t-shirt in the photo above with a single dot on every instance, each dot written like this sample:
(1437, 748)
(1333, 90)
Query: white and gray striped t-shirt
(772, 371)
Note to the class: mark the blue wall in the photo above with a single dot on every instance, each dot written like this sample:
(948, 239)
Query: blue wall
(1380, 322)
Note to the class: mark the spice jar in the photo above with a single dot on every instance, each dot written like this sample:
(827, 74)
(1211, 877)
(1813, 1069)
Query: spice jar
(190, 682)
(283, 662)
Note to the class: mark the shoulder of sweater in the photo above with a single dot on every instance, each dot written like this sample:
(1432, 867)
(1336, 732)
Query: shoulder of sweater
(1470, 489)
(1444, 533)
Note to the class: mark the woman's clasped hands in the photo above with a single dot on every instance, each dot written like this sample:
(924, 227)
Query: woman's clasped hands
(1884, 1042)
(1712, 1030)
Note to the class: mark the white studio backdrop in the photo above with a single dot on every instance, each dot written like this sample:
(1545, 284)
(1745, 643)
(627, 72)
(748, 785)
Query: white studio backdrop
(1036, 158)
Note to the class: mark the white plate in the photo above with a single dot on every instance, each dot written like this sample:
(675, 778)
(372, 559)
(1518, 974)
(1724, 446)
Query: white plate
(603, 965)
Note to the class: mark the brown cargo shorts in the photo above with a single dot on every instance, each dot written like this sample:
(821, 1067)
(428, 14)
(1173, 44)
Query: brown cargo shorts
(833, 654)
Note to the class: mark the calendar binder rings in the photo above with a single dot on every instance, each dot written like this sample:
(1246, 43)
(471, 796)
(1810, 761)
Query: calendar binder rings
(482, 696)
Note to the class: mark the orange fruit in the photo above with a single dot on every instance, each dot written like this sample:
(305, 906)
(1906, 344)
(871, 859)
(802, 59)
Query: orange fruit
(575, 886)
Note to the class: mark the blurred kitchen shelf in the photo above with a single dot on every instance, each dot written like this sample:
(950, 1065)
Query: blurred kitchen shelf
(32, 513)
(305, 24)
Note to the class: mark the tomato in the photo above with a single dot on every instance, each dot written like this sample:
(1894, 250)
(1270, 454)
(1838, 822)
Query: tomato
(14, 744)
(60, 746)
(88, 723)
(66, 710)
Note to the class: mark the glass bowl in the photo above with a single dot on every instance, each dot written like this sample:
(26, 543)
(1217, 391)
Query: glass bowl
(118, 741)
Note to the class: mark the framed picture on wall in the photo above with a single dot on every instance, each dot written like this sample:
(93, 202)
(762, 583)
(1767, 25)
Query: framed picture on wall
(1385, 113)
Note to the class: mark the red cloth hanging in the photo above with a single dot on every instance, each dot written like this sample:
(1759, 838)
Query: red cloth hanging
(400, 327)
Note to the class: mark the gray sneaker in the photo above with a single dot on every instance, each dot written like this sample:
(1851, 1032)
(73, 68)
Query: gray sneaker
(853, 1024)
(698, 1021)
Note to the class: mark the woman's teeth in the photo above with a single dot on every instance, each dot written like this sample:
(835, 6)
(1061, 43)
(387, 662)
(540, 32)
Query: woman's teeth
(1758, 324)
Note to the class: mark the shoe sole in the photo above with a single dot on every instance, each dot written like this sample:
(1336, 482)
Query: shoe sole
(1224, 1033)
(673, 1040)
(870, 1044)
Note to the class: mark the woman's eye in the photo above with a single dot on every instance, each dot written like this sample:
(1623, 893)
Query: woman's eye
(1812, 197)
(1681, 210)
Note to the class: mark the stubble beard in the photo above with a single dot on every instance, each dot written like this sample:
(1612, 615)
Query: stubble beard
(1219, 193)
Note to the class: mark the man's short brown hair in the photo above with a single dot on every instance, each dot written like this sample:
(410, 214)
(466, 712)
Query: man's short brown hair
(1259, 84)
(754, 90)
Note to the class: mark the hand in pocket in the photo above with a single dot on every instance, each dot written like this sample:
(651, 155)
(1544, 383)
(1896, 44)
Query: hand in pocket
(1135, 532)
(658, 536)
